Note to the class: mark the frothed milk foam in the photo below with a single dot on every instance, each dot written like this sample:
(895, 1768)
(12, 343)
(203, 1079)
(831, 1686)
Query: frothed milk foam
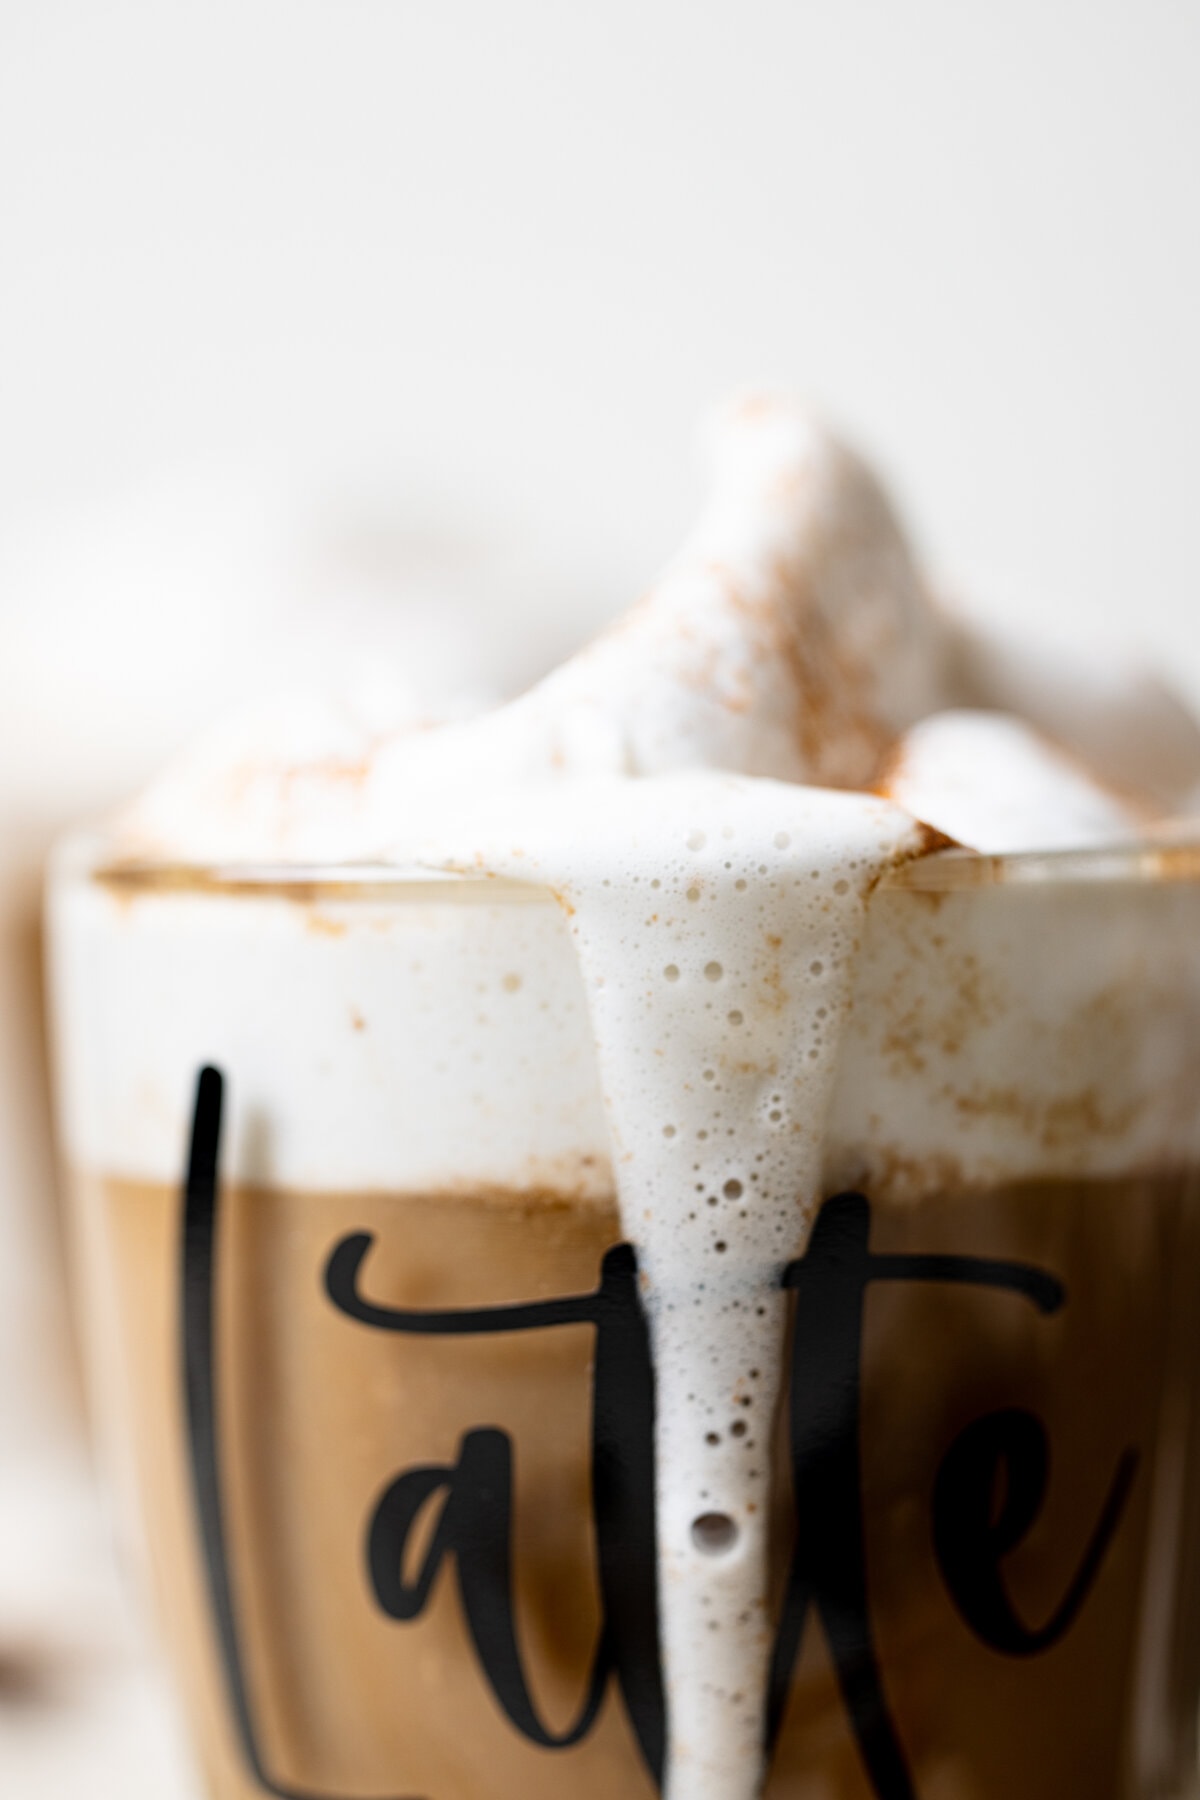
(674, 788)
(717, 921)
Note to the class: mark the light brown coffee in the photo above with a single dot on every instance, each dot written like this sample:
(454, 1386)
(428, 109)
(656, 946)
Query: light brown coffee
(319, 1415)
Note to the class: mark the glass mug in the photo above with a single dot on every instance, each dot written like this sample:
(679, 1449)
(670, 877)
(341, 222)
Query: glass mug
(368, 1357)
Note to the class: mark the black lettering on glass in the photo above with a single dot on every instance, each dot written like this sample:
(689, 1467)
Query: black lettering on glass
(198, 1310)
(828, 1567)
(475, 1526)
(476, 1519)
(1008, 1450)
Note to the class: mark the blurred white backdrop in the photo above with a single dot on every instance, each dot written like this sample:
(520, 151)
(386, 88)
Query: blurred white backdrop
(270, 266)
(505, 254)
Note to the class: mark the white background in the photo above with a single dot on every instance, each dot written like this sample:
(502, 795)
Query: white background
(507, 253)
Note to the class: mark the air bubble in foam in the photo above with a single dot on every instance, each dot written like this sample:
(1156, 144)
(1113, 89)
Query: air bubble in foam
(714, 1534)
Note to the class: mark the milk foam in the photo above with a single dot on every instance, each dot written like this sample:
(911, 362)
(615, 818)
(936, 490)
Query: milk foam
(669, 786)
(989, 780)
(717, 921)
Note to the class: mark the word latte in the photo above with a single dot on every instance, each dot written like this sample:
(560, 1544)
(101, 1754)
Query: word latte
(1004, 1451)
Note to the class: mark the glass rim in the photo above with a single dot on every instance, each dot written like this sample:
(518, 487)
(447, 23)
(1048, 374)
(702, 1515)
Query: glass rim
(1149, 861)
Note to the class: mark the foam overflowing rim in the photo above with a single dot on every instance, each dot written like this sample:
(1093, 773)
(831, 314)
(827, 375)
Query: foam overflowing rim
(941, 872)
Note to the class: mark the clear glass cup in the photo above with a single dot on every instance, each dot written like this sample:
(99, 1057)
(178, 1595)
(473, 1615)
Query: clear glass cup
(368, 1359)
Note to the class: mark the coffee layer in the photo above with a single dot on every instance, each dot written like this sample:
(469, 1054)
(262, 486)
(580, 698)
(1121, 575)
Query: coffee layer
(320, 1417)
